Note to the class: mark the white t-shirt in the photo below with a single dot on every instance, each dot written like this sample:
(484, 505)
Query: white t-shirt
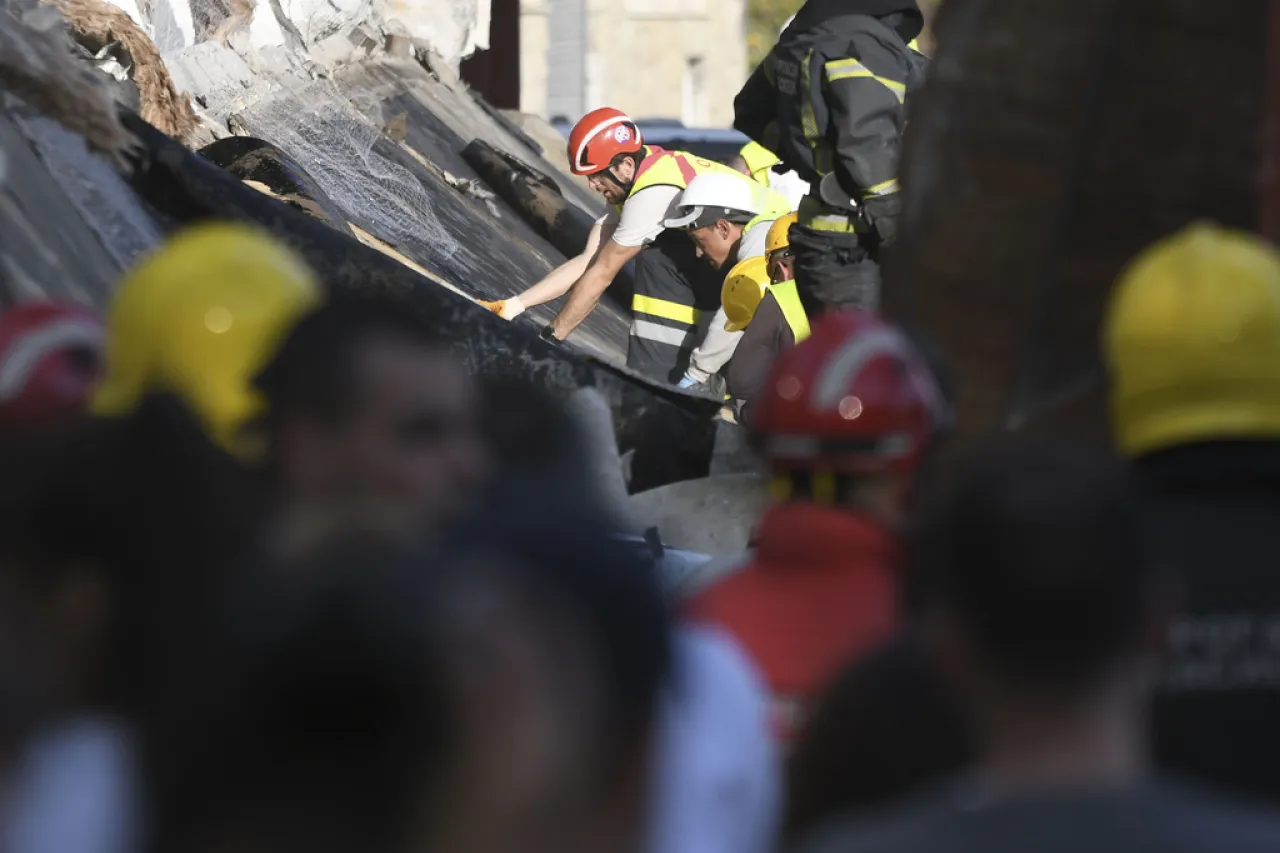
(718, 346)
(717, 780)
(753, 239)
(642, 215)
(790, 185)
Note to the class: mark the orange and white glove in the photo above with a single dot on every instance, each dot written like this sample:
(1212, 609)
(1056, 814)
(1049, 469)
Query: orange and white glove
(507, 309)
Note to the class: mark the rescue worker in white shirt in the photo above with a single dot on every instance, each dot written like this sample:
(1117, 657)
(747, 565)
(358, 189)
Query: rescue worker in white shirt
(676, 294)
(728, 220)
(761, 165)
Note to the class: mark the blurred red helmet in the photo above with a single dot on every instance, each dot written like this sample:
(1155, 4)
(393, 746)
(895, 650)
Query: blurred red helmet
(51, 356)
(855, 397)
(600, 136)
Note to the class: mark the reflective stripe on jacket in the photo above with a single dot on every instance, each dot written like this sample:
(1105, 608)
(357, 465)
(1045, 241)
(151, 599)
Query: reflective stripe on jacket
(830, 98)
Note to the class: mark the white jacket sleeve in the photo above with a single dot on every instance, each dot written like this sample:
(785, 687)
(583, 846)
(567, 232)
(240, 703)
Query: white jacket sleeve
(715, 350)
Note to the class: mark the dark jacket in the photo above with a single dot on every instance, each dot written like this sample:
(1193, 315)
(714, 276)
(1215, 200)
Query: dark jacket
(762, 342)
(1215, 512)
(830, 98)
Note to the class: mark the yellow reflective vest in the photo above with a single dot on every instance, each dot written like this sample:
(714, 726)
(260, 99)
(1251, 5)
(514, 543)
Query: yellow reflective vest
(793, 312)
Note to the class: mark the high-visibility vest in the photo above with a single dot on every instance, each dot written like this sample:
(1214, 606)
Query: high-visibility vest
(660, 167)
(666, 315)
(793, 312)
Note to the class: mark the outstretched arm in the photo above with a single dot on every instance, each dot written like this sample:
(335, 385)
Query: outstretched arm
(588, 289)
(557, 282)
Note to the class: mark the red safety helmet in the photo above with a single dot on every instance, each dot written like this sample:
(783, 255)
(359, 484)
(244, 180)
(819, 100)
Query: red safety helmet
(600, 136)
(51, 357)
(855, 397)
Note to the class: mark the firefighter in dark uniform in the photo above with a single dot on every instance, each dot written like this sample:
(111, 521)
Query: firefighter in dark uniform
(830, 99)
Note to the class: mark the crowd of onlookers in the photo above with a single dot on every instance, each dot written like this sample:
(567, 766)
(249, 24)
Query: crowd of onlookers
(277, 573)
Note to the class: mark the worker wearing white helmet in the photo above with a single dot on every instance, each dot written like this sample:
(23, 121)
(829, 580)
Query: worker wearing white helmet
(728, 220)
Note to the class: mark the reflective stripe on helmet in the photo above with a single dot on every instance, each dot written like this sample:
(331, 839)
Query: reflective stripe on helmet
(17, 364)
(591, 136)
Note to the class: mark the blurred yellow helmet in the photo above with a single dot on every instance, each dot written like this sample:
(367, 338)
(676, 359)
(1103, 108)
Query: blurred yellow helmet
(1192, 340)
(743, 289)
(779, 233)
(759, 161)
(200, 317)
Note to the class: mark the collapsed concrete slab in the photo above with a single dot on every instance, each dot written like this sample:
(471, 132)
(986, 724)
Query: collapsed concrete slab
(381, 199)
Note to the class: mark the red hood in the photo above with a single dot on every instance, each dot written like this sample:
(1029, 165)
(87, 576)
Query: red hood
(804, 536)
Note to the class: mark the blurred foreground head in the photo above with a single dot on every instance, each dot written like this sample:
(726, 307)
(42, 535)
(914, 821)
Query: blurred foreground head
(199, 318)
(322, 717)
(115, 535)
(846, 416)
(601, 609)
(51, 358)
(369, 416)
(1192, 341)
(1046, 593)
(887, 728)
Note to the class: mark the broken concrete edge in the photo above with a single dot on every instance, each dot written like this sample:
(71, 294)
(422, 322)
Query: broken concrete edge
(671, 432)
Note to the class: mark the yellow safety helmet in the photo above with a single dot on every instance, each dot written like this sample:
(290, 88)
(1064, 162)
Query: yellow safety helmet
(200, 317)
(759, 161)
(743, 289)
(779, 233)
(1192, 340)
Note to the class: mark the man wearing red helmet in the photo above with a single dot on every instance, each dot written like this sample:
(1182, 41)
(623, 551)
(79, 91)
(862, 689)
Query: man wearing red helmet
(842, 422)
(676, 293)
(51, 357)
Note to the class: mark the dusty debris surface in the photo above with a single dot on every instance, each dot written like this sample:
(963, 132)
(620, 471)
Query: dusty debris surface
(377, 146)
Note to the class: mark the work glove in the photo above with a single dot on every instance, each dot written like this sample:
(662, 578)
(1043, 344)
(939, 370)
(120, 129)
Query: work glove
(507, 309)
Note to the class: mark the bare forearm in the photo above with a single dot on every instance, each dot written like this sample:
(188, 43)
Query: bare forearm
(556, 283)
(583, 298)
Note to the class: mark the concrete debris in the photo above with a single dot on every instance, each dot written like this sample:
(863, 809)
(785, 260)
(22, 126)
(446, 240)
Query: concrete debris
(38, 65)
(350, 153)
(99, 23)
(712, 515)
(454, 29)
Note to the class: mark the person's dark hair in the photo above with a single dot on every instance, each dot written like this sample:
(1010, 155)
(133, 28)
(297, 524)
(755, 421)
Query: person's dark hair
(567, 550)
(323, 722)
(314, 372)
(886, 728)
(153, 505)
(1038, 551)
(634, 156)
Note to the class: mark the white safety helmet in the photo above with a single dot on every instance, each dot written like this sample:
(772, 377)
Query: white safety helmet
(716, 195)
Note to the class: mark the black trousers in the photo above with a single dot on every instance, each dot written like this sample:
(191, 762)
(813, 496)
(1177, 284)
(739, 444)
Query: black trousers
(835, 269)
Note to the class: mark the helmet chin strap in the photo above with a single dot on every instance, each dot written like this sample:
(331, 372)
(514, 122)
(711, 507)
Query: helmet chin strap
(626, 188)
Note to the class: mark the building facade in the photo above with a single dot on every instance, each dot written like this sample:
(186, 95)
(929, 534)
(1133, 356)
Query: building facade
(672, 59)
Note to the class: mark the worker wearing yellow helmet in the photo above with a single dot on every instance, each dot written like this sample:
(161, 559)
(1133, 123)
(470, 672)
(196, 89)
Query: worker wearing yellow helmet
(728, 219)
(744, 287)
(1192, 348)
(199, 318)
(779, 319)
